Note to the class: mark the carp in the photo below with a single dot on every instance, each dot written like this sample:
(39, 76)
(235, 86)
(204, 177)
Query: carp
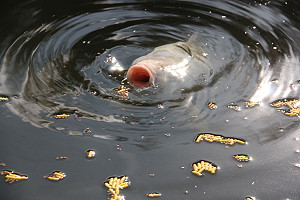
(170, 63)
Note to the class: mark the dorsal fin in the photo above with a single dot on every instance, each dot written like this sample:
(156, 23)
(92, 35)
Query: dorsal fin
(194, 46)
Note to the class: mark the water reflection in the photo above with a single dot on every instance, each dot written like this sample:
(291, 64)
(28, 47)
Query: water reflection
(72, 62)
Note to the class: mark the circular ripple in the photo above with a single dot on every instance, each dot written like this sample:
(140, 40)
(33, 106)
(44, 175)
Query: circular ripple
(73, 63)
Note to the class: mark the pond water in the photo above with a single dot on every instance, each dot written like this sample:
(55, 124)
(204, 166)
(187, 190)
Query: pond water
(69, 57)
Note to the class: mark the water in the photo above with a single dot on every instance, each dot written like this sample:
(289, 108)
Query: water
(67, 58)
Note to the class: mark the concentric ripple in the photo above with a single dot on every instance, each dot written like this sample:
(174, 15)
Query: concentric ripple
(72, 64)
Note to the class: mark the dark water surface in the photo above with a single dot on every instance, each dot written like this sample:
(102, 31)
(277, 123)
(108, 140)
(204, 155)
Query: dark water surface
(67, 57)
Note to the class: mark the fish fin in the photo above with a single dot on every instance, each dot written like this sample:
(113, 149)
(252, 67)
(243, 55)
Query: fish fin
(194, 45)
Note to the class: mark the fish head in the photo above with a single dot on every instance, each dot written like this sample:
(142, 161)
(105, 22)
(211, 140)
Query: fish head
(141, 74)
(171, 60)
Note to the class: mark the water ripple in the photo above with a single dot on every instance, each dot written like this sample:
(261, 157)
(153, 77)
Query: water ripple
(73, 63)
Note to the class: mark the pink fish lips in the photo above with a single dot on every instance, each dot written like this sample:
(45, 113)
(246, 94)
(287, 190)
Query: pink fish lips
(170, 66)
(141, 75)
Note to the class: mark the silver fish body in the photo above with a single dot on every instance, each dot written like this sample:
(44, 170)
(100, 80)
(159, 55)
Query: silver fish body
(179, 64)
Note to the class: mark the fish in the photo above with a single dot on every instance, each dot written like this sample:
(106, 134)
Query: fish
(170, 63)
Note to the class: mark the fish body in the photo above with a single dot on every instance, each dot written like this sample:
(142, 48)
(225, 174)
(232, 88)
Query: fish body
(170, 64)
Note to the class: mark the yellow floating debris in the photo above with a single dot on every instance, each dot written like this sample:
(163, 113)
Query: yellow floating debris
(90, 153)
(114, 184)
(56, 176)
(234, 107)
(120, 197)
(154, 194)
(61, 116)
(212, 105)
(295, 110)
(5, 172)
(291, 104)
(3, 98)
(218, 138)
(241, 157)
(285, 102)
(202, 165)
(250, 104)
(12, 176)
(249, 198)
(277, 104)
(122, 90)
(291, 111)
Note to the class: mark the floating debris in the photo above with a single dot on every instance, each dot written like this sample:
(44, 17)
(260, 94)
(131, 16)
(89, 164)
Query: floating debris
(218, 138)
(154, 194)
(90, 153)
(202, 165)
(160, 106)
(286, 112)
(249, 198)
(2, 164)
(297, 165)
(277, 104)
(87, 130)
(114, 184)
(3, 98)
(250, 104)
(288, 102)
(234, 107)
(118, 147)
(242, 157)
(122, 90)
(212, 105)
(285, 102)
(12, 176)
(61, 158)
(291, 108)
(56, 176)
(293, 86)
(61, 116)
(292, 111)
(295, 110)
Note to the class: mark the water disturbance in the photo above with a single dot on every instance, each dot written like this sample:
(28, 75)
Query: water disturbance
(62, 67)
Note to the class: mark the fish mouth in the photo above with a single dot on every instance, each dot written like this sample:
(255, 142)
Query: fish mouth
(140, 75)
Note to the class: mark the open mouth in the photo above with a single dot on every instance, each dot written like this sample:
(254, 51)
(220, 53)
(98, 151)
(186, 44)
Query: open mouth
(139, 76)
